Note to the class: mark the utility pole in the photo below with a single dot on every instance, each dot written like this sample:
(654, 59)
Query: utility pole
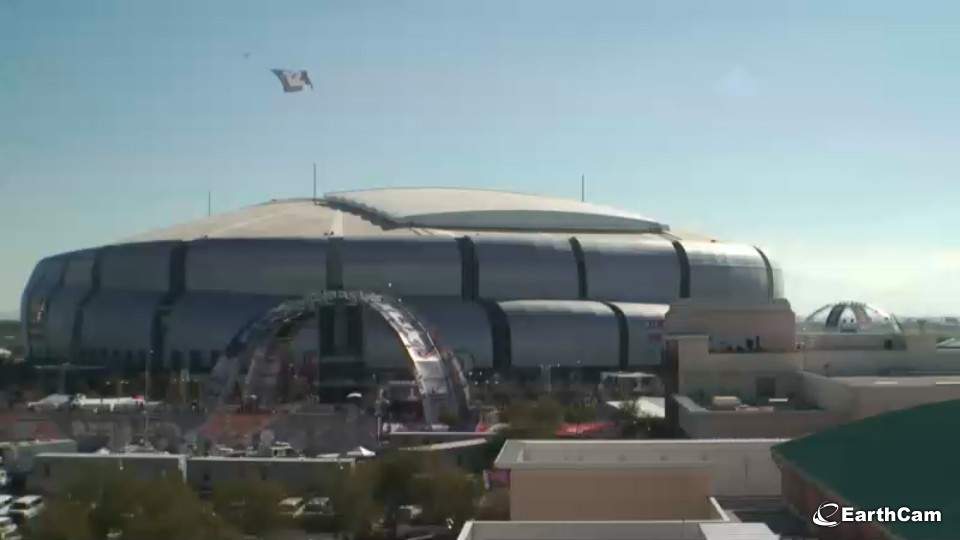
(583, 188)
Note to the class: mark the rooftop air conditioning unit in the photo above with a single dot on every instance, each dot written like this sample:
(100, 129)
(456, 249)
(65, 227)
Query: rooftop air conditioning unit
(725, 403)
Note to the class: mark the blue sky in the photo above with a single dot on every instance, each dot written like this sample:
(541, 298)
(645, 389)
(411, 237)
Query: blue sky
(826, 134)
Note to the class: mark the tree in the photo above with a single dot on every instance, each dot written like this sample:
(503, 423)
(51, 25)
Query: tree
(494, 505)
(99, 502)
(351, 496)
(250, 505)
(393, 484)
(538, 419)
(448, 494)
(63, 520)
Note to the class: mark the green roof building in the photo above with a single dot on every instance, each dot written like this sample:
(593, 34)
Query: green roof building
(902, 459)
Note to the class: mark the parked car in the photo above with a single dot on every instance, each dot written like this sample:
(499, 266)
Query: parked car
(292, 507)
(26, 508)
(8, 529)
(5, 501)
(318, 507)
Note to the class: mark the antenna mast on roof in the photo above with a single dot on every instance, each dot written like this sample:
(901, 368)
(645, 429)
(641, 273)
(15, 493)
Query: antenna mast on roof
(583, 189)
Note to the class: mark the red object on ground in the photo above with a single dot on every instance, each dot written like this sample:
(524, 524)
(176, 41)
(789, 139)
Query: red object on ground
(585, 429)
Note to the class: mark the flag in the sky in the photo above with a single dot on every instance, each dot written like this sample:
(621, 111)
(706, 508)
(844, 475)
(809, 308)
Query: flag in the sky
(293, 80)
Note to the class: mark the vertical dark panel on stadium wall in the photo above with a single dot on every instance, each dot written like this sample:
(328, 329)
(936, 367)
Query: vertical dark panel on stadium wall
(766, 264)
(669, 375)
(335, 264)
(75, 345)
(54, 291)
(325, 322)
(177, 282)
(500, 334)
(355, 330)
(624, 332)
(581, 267)
(684, 269)
(469, 269)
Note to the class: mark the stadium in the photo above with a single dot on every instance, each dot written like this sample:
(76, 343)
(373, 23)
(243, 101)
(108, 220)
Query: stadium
(507, 281)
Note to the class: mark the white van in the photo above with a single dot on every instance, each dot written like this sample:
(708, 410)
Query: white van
(291, 507)
(26, 508)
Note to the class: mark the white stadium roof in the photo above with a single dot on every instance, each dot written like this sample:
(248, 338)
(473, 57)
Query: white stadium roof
(413, 211)
(457, 208)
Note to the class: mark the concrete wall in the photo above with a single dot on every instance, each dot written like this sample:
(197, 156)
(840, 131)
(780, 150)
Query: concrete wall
(700, 423)
(700, 372)
(53, 473)
(611, 494)
(871, 401)
(297, 476)
(879, 362)
(737, 467)
(828, 394)
(855, 398)
(731, 325)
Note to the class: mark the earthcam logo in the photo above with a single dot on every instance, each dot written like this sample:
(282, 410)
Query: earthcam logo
(832, 514)
(823, 514)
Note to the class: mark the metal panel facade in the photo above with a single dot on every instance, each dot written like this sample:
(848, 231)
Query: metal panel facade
(462, 327)
(645, 332)
(402, 266)
(565, 333)
(283, 267)
(631, 270)
(137, 267)
(206, 322)
(62, 309)
(119, 320)
(382, 348)
(40, 290)
(537, 267)
(726, 271)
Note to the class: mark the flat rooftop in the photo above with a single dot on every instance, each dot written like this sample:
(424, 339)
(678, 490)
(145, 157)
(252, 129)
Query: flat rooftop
(523, 454)
(903, 380)
(614, 530)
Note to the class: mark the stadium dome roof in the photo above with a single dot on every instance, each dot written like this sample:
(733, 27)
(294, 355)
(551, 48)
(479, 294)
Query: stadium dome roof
(406, 211)
(457, 208)
(851, 317)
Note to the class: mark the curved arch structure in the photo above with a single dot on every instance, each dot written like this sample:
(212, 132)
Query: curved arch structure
(250, 355)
